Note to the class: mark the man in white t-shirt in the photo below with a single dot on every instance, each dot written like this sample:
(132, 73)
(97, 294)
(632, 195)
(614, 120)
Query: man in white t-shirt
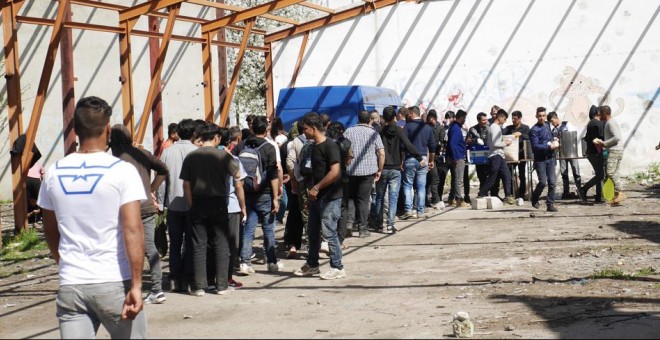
(91, 211)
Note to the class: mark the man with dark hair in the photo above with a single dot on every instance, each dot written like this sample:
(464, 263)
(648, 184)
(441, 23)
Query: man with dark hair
(456, 152)
(444, 167)
(375, 121)
(369, 157)
(522, 132)
(496, 161)
(170, 194)
(249, 119)
(204, 173)
(402, 117)
(392, 137)
(614, 149)
(90, 202)
(595, 130)
(263, 203)
(422, 137)
(172, 136)
(493, 114)
(558, 127)
(478, 135)
(234, 137)
(325, 118)
(544, 146)
(433, 177)
(122, 148)
(294, 235)
(324, 200)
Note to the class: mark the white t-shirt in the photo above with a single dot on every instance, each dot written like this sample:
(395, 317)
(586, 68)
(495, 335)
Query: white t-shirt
(86, 191)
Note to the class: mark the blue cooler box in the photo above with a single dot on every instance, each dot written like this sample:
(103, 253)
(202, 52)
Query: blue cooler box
(478, 154)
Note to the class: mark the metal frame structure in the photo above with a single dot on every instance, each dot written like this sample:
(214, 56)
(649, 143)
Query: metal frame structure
(239, 18)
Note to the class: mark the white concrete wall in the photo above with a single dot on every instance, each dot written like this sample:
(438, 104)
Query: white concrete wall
(97, 69)
(518, 54)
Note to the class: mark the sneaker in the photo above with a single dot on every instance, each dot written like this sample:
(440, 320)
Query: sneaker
(467, 200)
(407, 215)
(307, 270)
(158, 297)
(245, 269)
(535, 204)
(198, 292)
(551, 208)
(292, 253)
(364, 234)
(450, 203)
(510, 200)
(234, 284)
(462, 204)
(390, 230)
(221, 291)
(175, 285)
(275, 267)
(334, 274)
(582, 194)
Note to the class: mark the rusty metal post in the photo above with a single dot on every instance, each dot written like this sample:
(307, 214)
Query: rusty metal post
(270, 110)
(222, 60)
(68, 88)
(208, 78)
(157, 108)
(237, 68)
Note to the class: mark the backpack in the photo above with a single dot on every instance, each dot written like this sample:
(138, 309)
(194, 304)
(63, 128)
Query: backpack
(254, 167)
(305, 159)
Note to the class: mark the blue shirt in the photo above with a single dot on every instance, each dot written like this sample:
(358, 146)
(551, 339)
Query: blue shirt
(421, 136)
(457, 148)
(541, 137)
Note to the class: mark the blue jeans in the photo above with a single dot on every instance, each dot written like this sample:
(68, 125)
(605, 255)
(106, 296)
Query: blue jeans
(179, 228)
(390, 179)
(414, 175)
(547, 176)
(284, 202)
(259, 209)
(323, 217)
(81, 309)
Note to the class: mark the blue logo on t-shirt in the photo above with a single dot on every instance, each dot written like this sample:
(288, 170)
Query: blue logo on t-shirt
(77, 183)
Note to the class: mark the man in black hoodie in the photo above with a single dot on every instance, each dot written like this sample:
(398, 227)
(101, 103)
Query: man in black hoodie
(392, 137)
(595, 129)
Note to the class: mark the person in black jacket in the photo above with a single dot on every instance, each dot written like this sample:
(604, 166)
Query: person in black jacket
(595, 129)
(433, 177)
(390, 179)
(335, 132)
(523, 134)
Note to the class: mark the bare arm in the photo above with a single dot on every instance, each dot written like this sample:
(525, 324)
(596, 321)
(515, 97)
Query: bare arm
(158, 180)
(330, 177)
(134, 243)
(52, 233)
(240, 194)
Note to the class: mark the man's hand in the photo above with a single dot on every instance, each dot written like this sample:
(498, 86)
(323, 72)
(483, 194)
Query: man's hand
(286, 178)
(276, 206)
(507, 142)
(132, 304)
(377, 175)
(431, 165)
(313, 193)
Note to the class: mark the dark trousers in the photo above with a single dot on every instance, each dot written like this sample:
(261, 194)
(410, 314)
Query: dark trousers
(433, 186)
(179, 228)
(498, 170)
(599, 170)
(342, 225)
(210, 224)
(522, 178)
(482, 174)
(235, 236)
(443, 169)
(361, 195)
(293, 229)
(546, 171)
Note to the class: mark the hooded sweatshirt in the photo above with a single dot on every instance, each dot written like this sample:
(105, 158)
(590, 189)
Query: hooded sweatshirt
(392, 137)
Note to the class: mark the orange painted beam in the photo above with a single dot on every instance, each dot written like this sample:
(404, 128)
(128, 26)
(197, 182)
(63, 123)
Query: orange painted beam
(248, 13)
(207, 68)
(301, 54)
(268, 65)
(237, 69)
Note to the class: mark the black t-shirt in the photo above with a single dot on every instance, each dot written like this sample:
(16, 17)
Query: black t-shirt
(206, 169)
(324, 156)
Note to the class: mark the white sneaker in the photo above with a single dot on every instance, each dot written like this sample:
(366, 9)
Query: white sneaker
(245, 269)
(334, 274)
(158, 297)
(198, 292)
(275, 267)
(307, 270)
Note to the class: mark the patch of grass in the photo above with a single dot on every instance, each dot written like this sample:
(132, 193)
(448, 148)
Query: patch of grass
(26, 245)
(651, 173)
(648, 271)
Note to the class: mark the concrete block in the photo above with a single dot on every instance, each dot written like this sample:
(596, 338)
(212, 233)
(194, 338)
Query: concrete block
(479, 204)
(494, 203)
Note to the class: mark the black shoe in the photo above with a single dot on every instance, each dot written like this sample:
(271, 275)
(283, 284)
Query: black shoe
(364, 234)
(551, 208)
(467, 200)
(535, 204)
(582, 194)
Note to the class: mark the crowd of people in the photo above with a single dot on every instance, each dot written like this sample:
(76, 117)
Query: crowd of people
(322, 180)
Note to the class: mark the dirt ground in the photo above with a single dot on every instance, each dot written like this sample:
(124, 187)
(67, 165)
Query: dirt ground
(519, 272)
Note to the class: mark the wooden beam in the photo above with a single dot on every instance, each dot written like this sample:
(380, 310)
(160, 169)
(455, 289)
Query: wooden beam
(14, 111)
(146, 7)
(233, 8)
(301, 54)
(249, 13)
(126, 78)
(99, 4)
(222, 58)
(234, 76)
(208, 78)
(328, 20)
(121, 30)
(68, 86)
(268, 64)
(155, 77)
(157, 108)
(317, 7)
(46, 74)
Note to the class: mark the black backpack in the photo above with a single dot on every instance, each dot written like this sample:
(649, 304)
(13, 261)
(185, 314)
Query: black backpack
(254, 167)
